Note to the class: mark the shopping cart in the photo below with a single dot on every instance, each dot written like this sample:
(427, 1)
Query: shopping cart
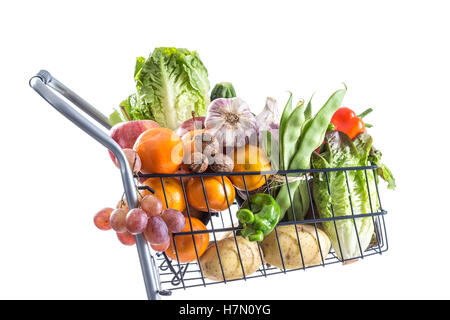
(163, 275)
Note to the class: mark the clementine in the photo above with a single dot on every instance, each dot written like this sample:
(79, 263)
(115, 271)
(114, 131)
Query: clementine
(172, 190)
(188, 246)
(250, 158)
(160, 150)
(215, 193)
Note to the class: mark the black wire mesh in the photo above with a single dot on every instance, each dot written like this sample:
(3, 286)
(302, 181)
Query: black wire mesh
(175, 274)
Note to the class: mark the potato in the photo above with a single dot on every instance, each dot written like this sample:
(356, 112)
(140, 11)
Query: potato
(290, 249)
(251, 260)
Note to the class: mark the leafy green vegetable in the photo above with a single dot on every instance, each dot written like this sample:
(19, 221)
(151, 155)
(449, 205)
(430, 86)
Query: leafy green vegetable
(382, 170)
(115, 117)
(127, 111)
(170, 84)
(132, 110)
(139, 63)
(339, 193)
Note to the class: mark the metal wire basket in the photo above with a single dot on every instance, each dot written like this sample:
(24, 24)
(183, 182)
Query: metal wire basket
(163, 275)
(176, 275)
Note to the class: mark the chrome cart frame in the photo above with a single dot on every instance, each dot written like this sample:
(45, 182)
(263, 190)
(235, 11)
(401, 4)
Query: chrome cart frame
(45, 85)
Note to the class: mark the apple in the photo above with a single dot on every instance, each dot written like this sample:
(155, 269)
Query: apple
(190, 125)
(126, 133)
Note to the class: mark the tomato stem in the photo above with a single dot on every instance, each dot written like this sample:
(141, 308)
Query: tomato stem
(365, 113)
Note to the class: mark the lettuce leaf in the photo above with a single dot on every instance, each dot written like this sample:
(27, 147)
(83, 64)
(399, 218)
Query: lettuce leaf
(382, 170)
(129, 109)
(139, 63)
(171, 84)
(340, 151)
(125, 110)
(115, 117)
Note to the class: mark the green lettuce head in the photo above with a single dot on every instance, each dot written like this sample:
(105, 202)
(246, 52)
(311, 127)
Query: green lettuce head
(337, 152)
(170, 84)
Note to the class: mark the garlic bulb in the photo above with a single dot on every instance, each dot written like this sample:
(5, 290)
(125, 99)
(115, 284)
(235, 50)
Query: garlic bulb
(270, 114)
(269, 118)
(231, 122)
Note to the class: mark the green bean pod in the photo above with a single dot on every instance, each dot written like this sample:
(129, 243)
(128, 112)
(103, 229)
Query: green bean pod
(308, 110)
(311, 139)
(283, 121)
(315, 133)
(292, 133)
(301, 202)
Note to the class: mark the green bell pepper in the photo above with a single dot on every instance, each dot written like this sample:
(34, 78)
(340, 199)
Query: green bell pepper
(259, 217)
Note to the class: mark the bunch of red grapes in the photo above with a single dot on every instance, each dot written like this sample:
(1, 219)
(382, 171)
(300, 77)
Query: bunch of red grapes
(149, 219)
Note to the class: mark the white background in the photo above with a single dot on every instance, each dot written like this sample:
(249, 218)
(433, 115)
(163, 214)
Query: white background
(393, 56)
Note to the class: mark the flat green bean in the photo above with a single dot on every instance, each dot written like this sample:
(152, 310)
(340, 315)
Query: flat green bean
(308, 110)
(292, 133)
(300, 201)
(284, 118)
(315, 133)
(311, 139)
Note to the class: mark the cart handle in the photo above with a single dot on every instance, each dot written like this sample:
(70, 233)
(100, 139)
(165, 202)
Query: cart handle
(39, 83)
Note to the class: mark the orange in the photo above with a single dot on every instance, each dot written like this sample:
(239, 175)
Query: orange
(215, 193)
(185, 246)
(160, 150)
(172, 189)
(250, 158)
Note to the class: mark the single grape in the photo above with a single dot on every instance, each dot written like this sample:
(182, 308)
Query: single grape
(152, 205)
(136, 221)
(126, 238)
(101, 219)
(174, 220)
(161, 247)
(156, 231)
(118, 220)
(133, 159)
